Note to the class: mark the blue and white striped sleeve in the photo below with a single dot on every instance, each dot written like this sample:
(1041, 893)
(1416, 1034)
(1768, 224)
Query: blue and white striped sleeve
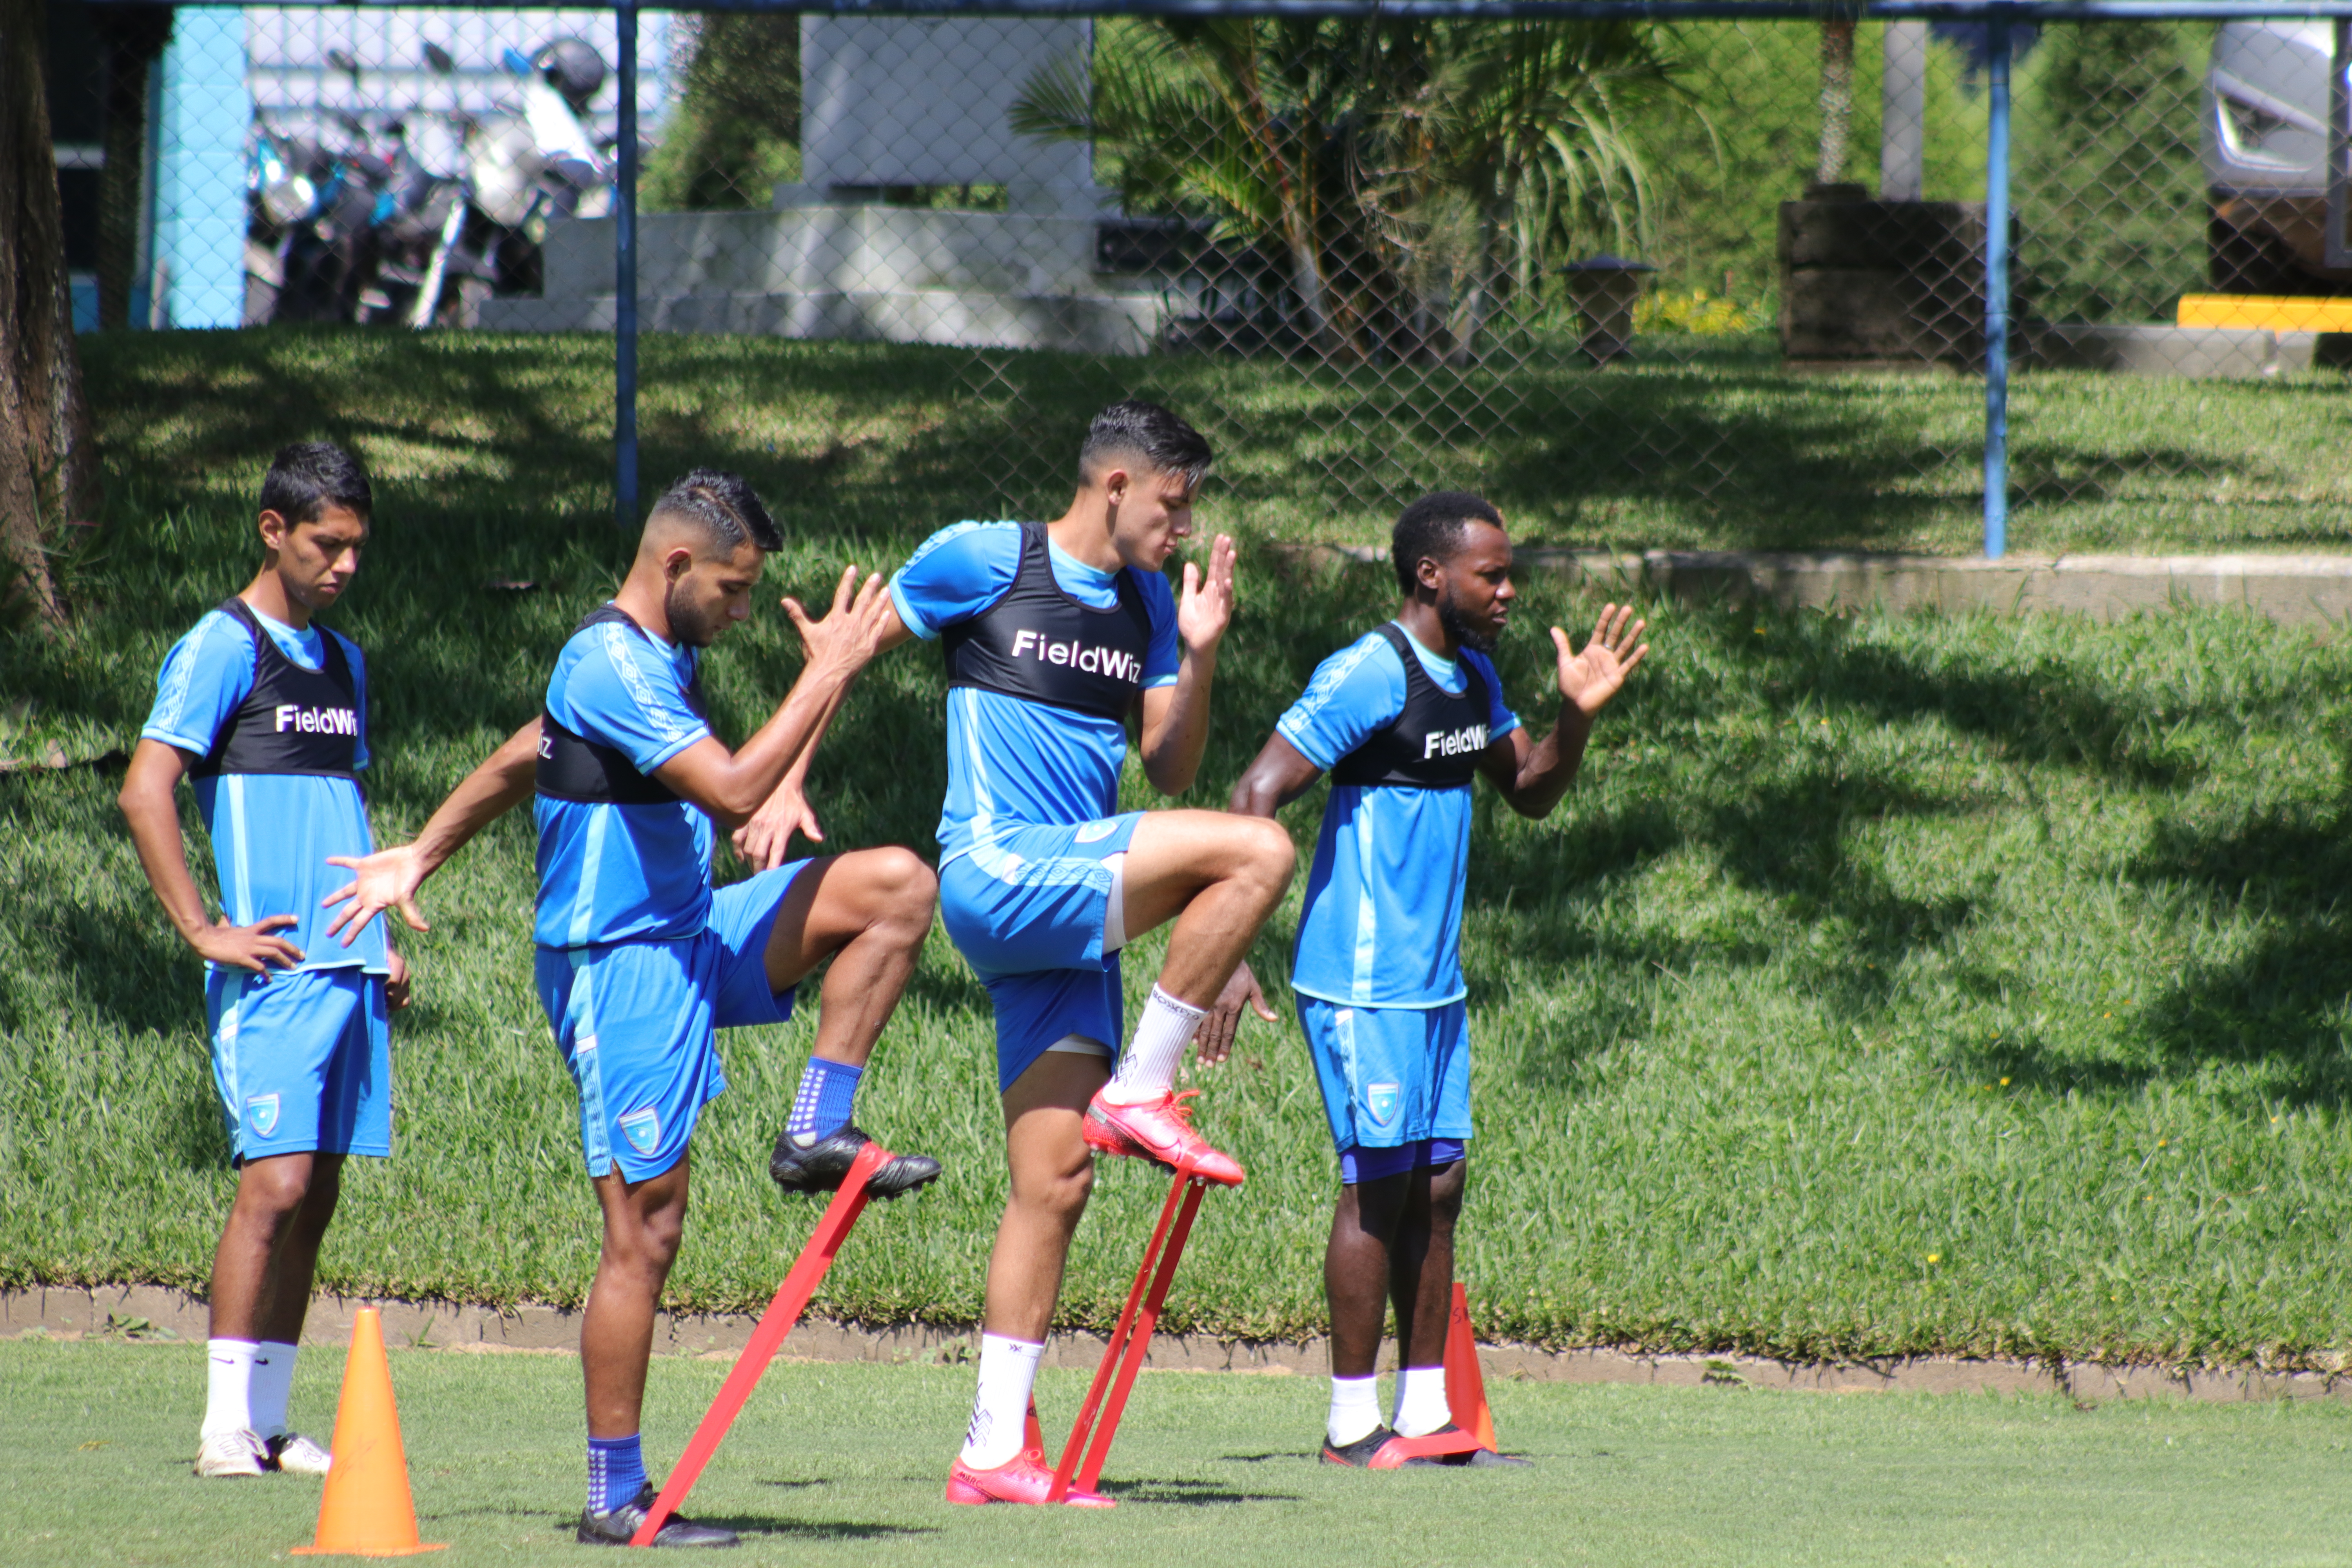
(623, 691)
(205, 679)
(1352, 694)
(955, 574)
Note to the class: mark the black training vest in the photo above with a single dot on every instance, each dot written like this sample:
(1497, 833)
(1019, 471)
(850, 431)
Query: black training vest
(1435, 743)
(574, 768)
(294, 721)
(1039, 644)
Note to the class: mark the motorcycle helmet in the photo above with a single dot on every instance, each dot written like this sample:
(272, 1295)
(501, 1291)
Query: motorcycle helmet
(573, 68)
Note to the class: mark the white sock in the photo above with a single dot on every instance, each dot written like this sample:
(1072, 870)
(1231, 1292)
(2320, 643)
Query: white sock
(1148, 1070)
(273, 1386)
(1000, 1411)
(1355, 1410)
(1421, 1406)
(228, 1386)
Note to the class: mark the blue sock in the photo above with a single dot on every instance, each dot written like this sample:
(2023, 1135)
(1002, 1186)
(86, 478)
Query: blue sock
(827, 1092)
(616, 1471)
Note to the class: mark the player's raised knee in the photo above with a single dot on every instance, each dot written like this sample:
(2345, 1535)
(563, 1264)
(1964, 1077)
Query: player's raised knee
(1266, 849)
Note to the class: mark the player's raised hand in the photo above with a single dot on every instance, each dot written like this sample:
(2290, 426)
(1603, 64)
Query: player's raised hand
(851, 631)
(763, 841)
(1205, 607)
(250, 947)
(386, 879)
(1213, 1042)
(1591, 678)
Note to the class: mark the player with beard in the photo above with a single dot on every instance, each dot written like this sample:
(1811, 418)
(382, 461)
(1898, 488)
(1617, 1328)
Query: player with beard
(639, 961)
(1403, 719)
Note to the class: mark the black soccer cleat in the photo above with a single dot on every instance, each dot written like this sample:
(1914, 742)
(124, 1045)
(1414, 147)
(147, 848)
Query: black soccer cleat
(822, 1166)
(614, 1527)
(1358, 1455)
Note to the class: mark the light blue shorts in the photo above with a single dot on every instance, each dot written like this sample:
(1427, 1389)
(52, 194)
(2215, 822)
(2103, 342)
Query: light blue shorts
(636, 1022)
(1390, 1075)
(302, 1060)
(1026, 911)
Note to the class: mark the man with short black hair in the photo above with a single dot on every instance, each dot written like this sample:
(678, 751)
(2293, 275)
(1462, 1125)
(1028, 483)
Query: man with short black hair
(639, 961)
(1055, 634)
(1403, 719)
(264, 713)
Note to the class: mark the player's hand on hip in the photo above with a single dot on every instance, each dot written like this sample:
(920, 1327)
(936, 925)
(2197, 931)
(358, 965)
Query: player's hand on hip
(395, 984)
(851, 632)
(252, 947)
(1213, 1042)
(1205, 607)
(386, 879)
(763, 841)
(1591, 678)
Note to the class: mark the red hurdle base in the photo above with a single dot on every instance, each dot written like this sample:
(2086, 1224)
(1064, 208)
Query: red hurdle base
(1090, 1440)
(791, 1301)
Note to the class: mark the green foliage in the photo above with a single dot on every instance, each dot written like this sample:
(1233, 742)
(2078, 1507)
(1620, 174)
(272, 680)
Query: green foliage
(736, 132)
(840, 1467)
(1749, 138)
(2110, 189)
(1743, 1011)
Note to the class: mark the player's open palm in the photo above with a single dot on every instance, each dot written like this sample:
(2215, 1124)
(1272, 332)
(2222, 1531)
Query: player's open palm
(851, 632)
(1205, 607)
(385, 880)
(1590, 678)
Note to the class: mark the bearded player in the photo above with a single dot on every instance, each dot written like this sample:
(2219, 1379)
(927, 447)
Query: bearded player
(640, 961)
(1403, 719)
(1057, 635)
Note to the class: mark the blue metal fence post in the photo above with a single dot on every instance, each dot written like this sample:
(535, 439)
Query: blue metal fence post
(624, 279)
(1995, 439)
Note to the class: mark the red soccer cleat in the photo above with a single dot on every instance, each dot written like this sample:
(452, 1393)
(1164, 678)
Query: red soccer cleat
(1021, 1478)
(1160, 1131)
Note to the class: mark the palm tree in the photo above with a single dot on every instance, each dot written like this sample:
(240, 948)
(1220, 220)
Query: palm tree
(1407, 174)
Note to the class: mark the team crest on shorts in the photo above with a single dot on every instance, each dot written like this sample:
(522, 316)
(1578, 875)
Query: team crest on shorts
(1094, 831)
(1381, 1099)
(642, 1130)
(261, 1114)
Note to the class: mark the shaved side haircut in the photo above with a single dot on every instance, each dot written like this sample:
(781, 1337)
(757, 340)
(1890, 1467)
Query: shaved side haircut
(1135, 428)
(723, 506)
(1431, 529)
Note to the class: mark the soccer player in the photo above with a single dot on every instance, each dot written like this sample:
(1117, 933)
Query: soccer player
(1403, 719)
(264, 713)
(639, 961)
(1055, 635)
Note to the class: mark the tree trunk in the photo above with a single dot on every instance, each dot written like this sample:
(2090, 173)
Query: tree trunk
(47, 468)
(134, 38)
(1837, 101)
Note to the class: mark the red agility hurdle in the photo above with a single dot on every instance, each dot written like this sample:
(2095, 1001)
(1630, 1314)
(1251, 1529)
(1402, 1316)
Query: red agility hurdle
(791, 1301)
(1082, 1460)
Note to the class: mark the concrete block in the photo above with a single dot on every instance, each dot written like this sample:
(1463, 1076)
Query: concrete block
(2196, 353)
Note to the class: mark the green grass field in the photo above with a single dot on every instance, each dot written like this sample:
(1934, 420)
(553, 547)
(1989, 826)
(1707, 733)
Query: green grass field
(1886, 986)
(844, 1465)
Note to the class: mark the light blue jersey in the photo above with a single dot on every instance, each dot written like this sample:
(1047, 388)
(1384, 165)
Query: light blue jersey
(1382, 924)
(271, 833)
(610, 872)
(1012, 763)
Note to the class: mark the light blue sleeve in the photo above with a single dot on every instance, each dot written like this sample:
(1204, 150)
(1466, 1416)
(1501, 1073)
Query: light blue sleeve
(1354, 692)
(1165, 654)
(358, 662)
(1500, 719)
(955, 574)
(205, 678)
(621, 691)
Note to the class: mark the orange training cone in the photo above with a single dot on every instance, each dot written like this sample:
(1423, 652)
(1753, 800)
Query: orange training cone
(1465, 1383)
(365, 1511)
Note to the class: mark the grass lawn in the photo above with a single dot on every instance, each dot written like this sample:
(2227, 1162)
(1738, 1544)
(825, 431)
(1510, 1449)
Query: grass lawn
(1886, 986)
(844, 1464)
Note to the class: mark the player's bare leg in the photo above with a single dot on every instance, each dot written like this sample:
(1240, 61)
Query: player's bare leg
(262, 1271)
(1218, 876)
(1391, 1243)
(643, 1222)
(868, 913)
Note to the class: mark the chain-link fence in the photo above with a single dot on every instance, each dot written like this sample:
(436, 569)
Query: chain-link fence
(1678, 280)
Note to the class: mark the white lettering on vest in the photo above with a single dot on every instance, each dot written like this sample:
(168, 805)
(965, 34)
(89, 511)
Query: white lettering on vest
(1119, 666)
(317, 720)
(1439, 743)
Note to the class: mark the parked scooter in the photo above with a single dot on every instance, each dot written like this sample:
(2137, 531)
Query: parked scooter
(311, 211)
